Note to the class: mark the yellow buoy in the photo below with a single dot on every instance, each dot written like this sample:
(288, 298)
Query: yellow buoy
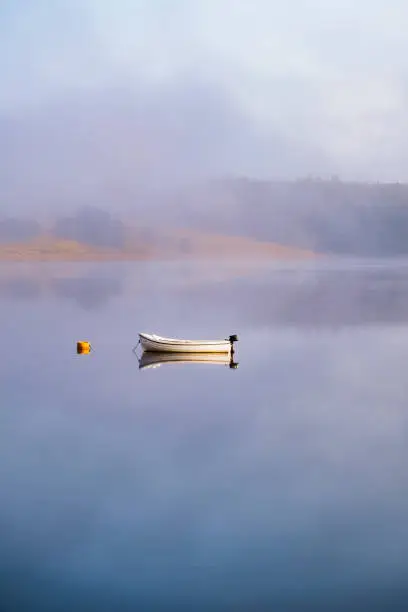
(83, 348)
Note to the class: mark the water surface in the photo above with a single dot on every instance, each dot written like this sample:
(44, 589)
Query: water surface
(280, 485)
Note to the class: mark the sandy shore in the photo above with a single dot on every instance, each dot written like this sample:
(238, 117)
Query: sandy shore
(199, 246)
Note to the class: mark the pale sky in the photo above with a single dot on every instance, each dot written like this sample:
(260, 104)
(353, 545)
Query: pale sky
(324, 81)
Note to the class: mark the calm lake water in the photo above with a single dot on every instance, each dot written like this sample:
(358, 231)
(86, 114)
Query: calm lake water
(281, 485)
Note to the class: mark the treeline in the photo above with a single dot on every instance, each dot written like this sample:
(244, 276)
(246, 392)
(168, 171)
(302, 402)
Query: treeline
(327, 216)
(90, 225)
(18, 230)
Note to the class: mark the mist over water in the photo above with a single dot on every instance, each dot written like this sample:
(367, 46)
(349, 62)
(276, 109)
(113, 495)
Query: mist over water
(278, 485)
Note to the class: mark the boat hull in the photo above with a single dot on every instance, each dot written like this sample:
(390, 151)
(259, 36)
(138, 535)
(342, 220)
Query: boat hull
(158, 344)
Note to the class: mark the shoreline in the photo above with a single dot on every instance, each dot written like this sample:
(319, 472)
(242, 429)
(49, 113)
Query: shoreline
(165, 258)
(210, 247)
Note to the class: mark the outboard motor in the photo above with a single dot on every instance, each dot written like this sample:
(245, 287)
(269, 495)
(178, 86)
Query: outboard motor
(233, 338)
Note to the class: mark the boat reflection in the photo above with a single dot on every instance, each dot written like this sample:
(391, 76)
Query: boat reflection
(157, 359)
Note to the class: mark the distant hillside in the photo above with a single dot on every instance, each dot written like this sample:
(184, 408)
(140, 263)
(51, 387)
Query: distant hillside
(185, 242)
(49, 248)
(166, 245)
(92, 234)
(324, 216)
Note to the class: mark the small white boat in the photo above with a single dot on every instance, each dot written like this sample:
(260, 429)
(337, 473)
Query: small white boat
(150, 359)
(152, 342)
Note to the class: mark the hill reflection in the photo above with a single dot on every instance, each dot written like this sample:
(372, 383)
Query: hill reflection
(315, 298)
(89, 292)
(295, 297)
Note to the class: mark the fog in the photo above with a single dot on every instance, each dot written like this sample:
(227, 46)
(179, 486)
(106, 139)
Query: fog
(113, 147)
(283, 124)
(112, 104)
